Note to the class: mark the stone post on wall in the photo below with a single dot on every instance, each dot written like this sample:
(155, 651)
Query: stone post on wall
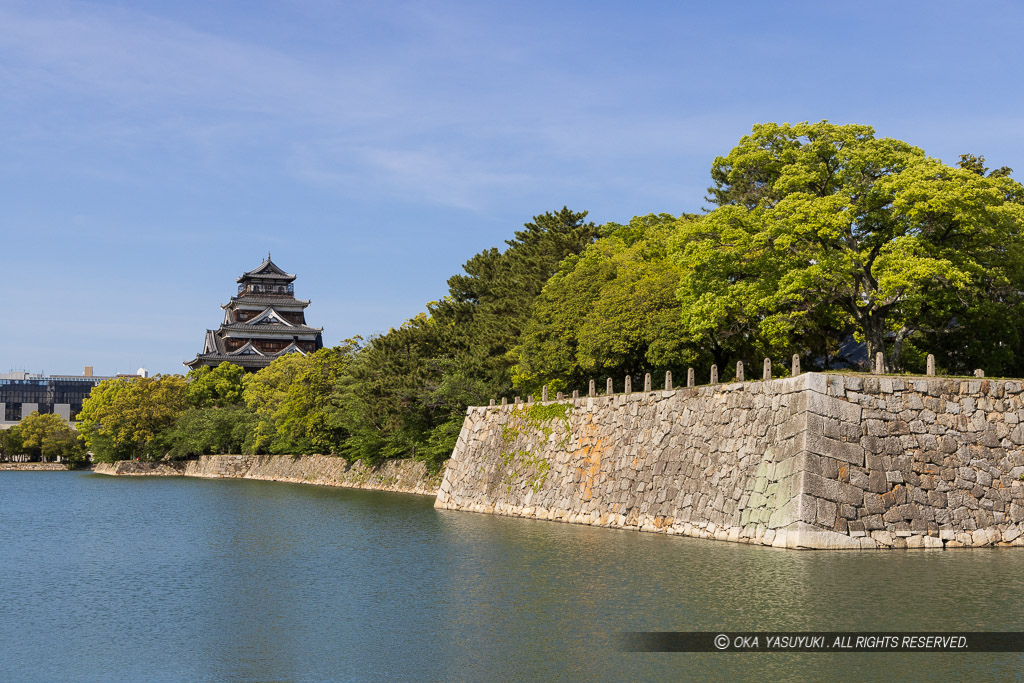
(796, 365)
(689, 377)
(930, 366)
(544, 394)
(629, 385)
(647, 382)
(714, 374)
(593, 389)
(609, 388)
(739, 371)
(504, 401)
(575, 394)
(766, 373)
(979, 373)
(492, 402)
(879, 363)
(668, 380)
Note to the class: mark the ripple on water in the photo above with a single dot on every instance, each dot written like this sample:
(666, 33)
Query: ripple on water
(183, 579)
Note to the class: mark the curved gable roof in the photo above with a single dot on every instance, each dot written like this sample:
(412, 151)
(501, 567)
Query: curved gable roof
(267, 270)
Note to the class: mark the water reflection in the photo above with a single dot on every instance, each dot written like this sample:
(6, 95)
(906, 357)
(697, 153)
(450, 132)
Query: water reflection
(174, 579)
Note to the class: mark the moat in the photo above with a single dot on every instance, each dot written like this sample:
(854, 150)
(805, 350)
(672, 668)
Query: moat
(118, 578)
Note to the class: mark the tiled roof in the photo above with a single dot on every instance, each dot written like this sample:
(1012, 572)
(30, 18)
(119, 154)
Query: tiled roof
(267, 300)
(267, 270)
(272, 328)
(214, 351)
(250, 361)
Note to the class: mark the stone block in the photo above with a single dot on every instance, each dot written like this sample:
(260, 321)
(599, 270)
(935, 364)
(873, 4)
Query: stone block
(877, 482)
(860, 478)
(830, 406)
(830, 489)
(819, 444)
(831, 469)
(825, 513)
(874, 503)
(873, 522)
(1016, 512)
(981, 537)
(917, 495)
(900, 513)
(924, 541)
(884, 537)
(790, 486)
(821, 540)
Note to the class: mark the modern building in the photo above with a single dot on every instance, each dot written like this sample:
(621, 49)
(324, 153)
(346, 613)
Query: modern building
(263, 321)
(23, 393)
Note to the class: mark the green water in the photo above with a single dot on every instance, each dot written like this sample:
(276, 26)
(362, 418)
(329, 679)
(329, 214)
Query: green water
(152, 579)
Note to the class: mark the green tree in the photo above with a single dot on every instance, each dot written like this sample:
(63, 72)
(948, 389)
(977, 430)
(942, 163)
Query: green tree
(67, 447)
(388, 393)
(123, 417)
(206, 431)
(11, 442)
(481, 320)
(220, 386)
(405, 392)
(309, 416)
(823, 228)
(296, 403)
(610, 310)
(264, 394)
(976, 165)
(50, 438)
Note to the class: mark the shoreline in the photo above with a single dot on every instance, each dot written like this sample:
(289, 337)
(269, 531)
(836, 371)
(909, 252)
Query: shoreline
(32, 467)
(402, 476)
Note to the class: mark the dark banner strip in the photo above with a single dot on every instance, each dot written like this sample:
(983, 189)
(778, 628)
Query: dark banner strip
(821, 641)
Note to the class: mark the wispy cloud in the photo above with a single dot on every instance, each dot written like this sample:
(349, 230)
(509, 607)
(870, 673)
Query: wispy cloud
(441, 114)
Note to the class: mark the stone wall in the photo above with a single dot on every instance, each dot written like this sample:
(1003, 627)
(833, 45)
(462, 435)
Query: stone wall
(812, 461)
(404, 476)
(32, 466)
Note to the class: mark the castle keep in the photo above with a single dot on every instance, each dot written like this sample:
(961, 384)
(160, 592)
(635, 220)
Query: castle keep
(263, 321)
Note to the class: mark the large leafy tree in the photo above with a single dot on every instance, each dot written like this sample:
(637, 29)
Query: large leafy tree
(823, 228)
(11, 442)
(610, 310)
(48, 436)
(481, 320)
(308, 419)
(387, 393)
(123, 417)
(216, 420)
(219, 386)
(211, 430)
(405, 392)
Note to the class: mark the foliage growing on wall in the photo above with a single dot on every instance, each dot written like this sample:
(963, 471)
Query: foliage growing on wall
(537, 421)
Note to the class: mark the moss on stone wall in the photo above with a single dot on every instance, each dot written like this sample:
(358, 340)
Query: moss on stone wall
(529, 420)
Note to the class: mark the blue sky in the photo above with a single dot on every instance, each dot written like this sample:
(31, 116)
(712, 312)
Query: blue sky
(150, 152)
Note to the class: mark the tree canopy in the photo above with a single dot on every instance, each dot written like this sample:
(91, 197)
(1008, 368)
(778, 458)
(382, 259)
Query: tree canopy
(123, 416)
(823, 229)
(48, 437)
(609, 310)
(821, 240)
